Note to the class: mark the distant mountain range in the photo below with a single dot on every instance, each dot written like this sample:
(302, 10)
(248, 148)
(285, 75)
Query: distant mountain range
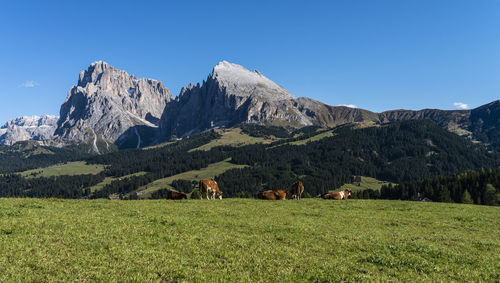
(28, 128)
(109, 106)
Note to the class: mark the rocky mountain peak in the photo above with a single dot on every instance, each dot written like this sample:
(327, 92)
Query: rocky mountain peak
(108, 105)
(111, 104)
(232, 95)
(239, 81)
(31, 121)
(28, 128)
(93, 73)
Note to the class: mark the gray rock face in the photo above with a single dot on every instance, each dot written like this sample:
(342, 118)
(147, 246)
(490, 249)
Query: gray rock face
(28, 128)
(233, 95)
(111, 104)
(235, 80)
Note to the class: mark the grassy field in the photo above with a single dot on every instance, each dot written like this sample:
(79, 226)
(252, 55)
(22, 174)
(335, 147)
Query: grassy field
(70, 168)
(232, 137)
(159, 145)
(208, 172)
(313, 138)
(366, 183)
(247, 240)
(108, 180)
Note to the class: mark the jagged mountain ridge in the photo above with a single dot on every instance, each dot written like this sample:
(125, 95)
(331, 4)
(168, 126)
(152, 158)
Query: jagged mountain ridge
(111, 104)
(233, 95)
(28, 128)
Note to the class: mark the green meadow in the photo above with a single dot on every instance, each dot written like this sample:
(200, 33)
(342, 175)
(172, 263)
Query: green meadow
(364, 184)
(70, 168)
(232, 137)
(208, 172)
(313, 138)
(247, 240)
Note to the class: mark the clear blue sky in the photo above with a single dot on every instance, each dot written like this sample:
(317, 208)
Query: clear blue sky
(377, 55)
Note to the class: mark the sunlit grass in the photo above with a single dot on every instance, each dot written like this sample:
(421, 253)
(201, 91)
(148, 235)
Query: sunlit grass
(108, 180)
(232, 137)
(208, 172)
(313, 138)
(70, 168)
(248, 240)
(365, 184)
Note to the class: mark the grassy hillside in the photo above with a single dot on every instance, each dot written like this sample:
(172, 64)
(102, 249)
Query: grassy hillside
(313, 138)
(233, 137)
(240, 240)
(70, 168)
(108, 180)
(159, 145)
(28, 155)
(365, 184)
(208, 172)
(324, 159)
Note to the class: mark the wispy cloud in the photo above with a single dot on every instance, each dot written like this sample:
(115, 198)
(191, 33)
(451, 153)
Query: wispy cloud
(461, 105)
(349, 105)
(29, 84)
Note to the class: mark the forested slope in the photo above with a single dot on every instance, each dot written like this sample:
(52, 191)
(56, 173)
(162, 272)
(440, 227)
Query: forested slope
(397, 152)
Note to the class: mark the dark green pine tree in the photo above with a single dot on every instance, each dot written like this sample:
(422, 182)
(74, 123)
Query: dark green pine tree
(466, 197)
(443, 194)
(490, 195)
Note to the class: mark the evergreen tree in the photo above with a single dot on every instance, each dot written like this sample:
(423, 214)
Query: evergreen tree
(466, 197)
(443, 194)
(490, 195)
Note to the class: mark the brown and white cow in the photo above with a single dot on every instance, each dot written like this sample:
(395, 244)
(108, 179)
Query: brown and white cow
(209, 187)
(345, 194)
(176, 195)
(296, 190)
(273, 195)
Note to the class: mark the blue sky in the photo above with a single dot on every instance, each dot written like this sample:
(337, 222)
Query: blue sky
(377, 55)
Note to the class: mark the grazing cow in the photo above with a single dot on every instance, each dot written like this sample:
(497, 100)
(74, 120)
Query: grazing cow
(296, 190)
(345, 194)
(273, 195)
(176, 195)
(209, 187)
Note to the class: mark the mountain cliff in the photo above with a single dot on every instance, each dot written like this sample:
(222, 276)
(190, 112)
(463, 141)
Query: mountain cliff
(28, 128)
(111, 105)
(233, 95)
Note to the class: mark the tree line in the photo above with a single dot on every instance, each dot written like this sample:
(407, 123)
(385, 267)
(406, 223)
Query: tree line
(14, 185)
(397, 152)
(478, 187)
(29, 155)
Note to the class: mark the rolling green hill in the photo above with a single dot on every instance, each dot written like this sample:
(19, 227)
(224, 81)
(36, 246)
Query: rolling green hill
(70, 169)
(363, 183)
(324, 159)
(208, 172)
(27, 155)
(233, 137)
(109, 180)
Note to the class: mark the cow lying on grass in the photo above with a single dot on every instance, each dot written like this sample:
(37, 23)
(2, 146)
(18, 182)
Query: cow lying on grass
(209, 187)
(273, 195)
(176, 195)
(345, 194)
